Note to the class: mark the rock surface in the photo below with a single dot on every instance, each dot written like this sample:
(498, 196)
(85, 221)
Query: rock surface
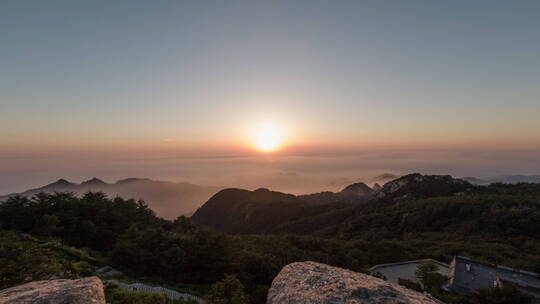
(310, 282)
(87, 291)
(418, 186)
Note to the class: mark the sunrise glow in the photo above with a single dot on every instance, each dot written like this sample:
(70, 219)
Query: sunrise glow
(268, 137)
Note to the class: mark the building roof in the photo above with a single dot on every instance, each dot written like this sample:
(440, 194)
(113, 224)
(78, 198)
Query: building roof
(376, 267)
(405, 270)
(468, 275)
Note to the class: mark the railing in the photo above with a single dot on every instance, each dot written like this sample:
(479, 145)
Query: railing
(169, 293)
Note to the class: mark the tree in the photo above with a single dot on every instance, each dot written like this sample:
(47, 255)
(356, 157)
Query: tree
(183, 224)
(423, 271)
(430, 278)
(47, 225)
(227, 291)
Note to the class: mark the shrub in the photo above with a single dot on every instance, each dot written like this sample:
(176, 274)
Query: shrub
(227, 291)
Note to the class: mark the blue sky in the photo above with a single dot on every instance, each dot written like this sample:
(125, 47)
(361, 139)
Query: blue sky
(140, 74)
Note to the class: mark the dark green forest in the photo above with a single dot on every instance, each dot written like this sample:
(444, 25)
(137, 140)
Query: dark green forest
(498, 224)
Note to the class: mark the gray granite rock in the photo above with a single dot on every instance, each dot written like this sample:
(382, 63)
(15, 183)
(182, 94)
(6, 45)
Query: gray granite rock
(81, 291)
(310, 282)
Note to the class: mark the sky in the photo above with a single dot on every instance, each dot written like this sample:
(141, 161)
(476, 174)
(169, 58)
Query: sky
(116, 88)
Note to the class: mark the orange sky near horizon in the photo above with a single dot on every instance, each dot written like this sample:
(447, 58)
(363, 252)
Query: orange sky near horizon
(112, 89)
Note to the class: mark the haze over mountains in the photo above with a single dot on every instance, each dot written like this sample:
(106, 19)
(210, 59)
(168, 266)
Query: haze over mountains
(168, 199)
(172, 199)
(505, 179)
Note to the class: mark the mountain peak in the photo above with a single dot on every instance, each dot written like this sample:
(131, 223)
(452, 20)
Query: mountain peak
(235, 210)
(385, 176)
(132, 180)
(62, 182)
(93, 181)
(355, 192)
(357, 188)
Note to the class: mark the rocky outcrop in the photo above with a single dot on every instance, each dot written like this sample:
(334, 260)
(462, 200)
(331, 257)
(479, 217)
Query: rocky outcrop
(310, 282)
(418, 186)
(81, 291)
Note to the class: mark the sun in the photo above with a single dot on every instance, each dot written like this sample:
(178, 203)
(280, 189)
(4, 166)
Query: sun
(268, 137)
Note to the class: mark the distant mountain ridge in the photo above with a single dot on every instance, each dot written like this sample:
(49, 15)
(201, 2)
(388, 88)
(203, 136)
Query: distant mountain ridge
(354, 193)
(168, 199)
(243, 211)
(263, 211)
(505, 179)
(412, 203)
(384, 178)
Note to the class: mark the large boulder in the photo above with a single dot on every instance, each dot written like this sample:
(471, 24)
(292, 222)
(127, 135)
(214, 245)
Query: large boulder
(81, 291)
(310, 282)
